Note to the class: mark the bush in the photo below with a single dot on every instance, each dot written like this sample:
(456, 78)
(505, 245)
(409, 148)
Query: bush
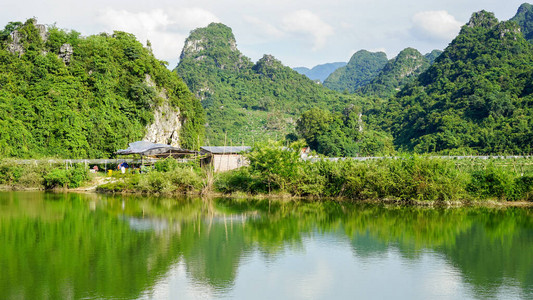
(236, 180)
(492, 182)
(154, 182)
(56, 178)
(523, 189)
(185, 179)
(10, 172)
(166, 165)
(71, 178)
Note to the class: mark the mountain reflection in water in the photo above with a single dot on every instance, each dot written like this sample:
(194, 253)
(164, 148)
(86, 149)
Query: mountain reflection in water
(73, 246)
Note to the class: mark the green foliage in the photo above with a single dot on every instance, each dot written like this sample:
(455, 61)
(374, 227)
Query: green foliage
(432, 56)
(247, 102)
(168, 177)
(360, 70)
(8, 29)
(524, 18)
(274, 163)
(341, 134)
(399, 71)
(166, 165)
(91, 106)
(67, 178)
(476, 98)
(406, 178)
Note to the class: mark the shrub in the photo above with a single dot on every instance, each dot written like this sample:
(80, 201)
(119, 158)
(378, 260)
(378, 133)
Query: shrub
(523, 189)
(185, 179)
(71, 178)
(492, 182)
(56, 178)
(166, 165)
(10, 172)
(154, 182)
(235, 180)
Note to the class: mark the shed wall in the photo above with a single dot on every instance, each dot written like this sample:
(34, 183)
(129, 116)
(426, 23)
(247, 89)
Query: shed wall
(228, 162)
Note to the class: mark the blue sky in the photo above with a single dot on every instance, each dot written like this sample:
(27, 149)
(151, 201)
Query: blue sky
(297, 32)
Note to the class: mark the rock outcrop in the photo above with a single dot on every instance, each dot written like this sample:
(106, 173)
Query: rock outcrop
(65, 53)
(167, 123)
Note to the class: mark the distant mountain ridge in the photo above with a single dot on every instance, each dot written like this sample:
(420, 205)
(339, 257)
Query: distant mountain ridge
(320, 72)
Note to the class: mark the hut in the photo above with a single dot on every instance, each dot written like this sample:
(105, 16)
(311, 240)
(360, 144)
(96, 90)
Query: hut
(224, 158)
(144, 148)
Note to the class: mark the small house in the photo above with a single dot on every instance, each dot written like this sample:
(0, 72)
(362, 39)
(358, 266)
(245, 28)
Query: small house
(224, 158)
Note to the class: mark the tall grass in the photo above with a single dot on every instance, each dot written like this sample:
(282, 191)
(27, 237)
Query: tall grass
(404, 178)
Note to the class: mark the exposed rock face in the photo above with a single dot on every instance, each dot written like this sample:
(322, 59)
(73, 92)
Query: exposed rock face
(482, 19)
(16, 43)
(43, 32)
(166, 127)
(65, 53)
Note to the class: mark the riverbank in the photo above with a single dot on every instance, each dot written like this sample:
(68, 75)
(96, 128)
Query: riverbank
(275, 173)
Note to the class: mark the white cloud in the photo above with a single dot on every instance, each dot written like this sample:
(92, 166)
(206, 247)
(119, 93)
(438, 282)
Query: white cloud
(309, 24)
(264, 28)
(166, 29)
(435, 25)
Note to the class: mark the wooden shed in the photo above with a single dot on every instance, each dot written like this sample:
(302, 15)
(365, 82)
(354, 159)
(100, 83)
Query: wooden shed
(224, 158)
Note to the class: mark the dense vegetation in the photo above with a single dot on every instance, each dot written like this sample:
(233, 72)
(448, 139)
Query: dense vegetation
(85, 103)
(277, 169)
(399, 71)
(406, 178)
(342, 134)
(524, 18)
(320, 72)
(360, 70)
(476, 97)
(246, 102)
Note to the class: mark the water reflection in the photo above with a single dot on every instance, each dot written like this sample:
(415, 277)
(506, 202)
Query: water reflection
(94, 246)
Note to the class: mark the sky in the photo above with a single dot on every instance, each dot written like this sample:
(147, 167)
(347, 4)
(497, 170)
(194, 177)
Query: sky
(297, 32)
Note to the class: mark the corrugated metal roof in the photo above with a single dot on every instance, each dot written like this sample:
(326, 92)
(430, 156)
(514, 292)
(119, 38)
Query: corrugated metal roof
(148, 148)
(225, 149)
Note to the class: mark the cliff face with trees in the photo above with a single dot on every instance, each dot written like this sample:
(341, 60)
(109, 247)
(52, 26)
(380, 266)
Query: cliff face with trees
(476, 97)
(65, 95)
(247, 102)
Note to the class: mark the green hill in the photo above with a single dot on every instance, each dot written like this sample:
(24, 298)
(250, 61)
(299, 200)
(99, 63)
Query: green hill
(476, 97)
(65, 95)
(360, 70)
(247, 102)
(524, 18)
(396, 73)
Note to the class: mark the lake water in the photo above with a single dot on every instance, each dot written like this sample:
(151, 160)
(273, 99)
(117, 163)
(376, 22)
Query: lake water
(89, 246)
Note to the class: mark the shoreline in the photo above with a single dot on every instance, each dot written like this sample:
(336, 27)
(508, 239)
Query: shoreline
(92, 189)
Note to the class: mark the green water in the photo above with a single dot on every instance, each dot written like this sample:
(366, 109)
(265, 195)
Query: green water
(88, 246)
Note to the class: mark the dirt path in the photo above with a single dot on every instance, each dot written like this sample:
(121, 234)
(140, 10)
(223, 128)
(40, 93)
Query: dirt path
(91, 186)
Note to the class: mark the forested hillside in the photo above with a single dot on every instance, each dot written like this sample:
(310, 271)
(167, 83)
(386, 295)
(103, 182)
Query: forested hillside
(360, 70)
(476, 97)
(404, 68)
(247, 102)
(65, 95)
(524, 19)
